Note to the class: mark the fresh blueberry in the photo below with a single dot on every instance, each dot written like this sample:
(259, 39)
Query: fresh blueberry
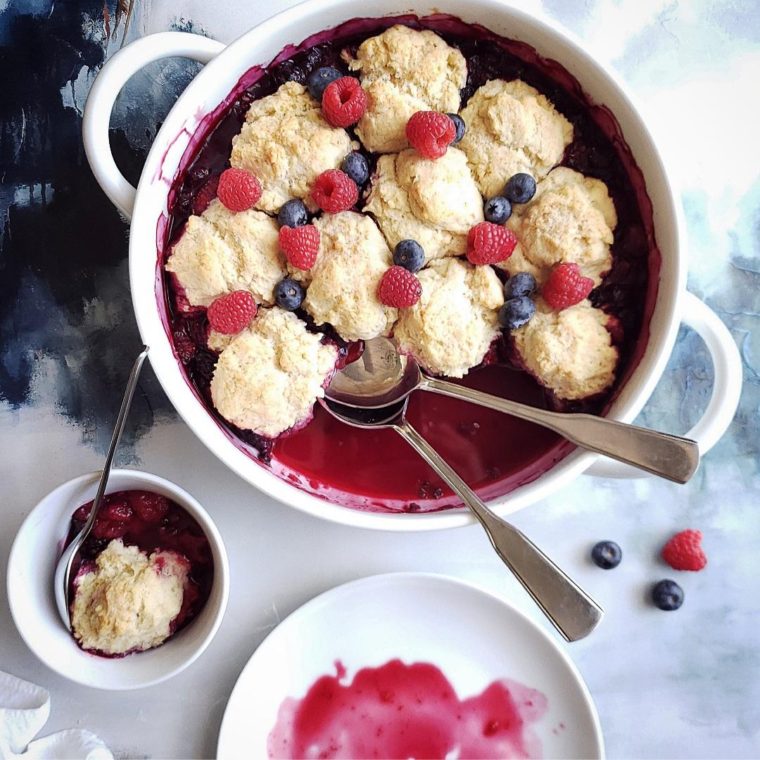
(288, 294)
(667, 595)
(409, 254)
(320, 78)
(293, 213)
(497, 209)
(356, 166)
(516, 312)
(520, 284)
(459, 125)
(520, 188)
(606, 554)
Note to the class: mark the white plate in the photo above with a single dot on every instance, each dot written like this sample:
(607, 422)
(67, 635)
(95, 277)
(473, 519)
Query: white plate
(473, 637)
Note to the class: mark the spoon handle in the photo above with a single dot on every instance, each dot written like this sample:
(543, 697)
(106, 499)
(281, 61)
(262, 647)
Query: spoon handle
(121, 420)
(669, 456)
(66, 561)
(574, 613)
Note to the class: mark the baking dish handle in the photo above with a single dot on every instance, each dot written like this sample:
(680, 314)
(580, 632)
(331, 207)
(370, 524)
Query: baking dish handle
(727, 386)
(109, 82)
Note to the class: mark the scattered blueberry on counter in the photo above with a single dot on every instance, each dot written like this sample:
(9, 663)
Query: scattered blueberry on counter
(293, 213)
(497, 209)
(356, 166)
(667, 595)
(459, 125)
(289, 294)
(320, 78)
(520, 188)
(409, 254)
(606, 554)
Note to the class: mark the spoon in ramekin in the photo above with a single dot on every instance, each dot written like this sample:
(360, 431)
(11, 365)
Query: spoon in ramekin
(382, 376)
(572, 611)
(64, 567)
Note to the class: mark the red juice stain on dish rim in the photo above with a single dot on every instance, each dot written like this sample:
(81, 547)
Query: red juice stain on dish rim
(407, 711)
(324, 457)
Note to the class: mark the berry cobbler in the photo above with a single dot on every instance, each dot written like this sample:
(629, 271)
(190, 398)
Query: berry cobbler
(144, 572)
(423, 179)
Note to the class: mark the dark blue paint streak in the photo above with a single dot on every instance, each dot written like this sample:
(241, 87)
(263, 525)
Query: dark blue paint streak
(63, 247)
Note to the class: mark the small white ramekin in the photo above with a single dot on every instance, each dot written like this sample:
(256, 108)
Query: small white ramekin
(31, 566)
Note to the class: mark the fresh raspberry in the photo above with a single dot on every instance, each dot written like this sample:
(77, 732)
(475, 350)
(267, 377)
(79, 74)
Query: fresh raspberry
(82, 513)
(489, 243)
(109, 528)
(399, 288)
(566, 286)
(430, 133)
(184, 346)
(205, 195)
(334, 191)
(116, 511)
(150, 507)
(238, 189)
(232, 312)
(300, 245)
(343, 102)
(684, 551)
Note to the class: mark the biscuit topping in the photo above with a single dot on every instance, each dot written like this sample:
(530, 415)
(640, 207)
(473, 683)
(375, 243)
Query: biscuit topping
(287, 143)
(396, 235)
(404, 71)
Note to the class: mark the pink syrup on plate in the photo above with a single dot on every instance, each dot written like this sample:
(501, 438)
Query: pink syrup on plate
(407, 711)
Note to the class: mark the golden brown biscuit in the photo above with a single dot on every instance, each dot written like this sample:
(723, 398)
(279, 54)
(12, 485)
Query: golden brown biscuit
(511, 128)
(434, 202)
(342, 284)
(569, 351)
(269, 376)
(451, 328)
(404, 71)
(221, 251)
(570, 219)
(286, 143)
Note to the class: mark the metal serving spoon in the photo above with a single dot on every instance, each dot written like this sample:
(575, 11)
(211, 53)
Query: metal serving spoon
(62, 579)
(382, 376)
(574, 613)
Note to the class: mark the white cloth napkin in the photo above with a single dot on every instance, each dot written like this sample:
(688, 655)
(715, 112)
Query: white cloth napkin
(24, 710)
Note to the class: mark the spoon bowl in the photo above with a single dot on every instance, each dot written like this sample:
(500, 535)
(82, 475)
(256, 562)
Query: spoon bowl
(382, 376)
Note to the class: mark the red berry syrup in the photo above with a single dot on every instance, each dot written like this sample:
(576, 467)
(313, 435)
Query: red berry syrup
(407, 711)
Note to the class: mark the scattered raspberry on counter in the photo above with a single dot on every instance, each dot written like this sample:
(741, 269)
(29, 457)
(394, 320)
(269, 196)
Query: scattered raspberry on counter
(684, 551)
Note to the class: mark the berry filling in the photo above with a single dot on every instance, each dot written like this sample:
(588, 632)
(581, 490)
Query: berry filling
(152, 523)
(330, 459)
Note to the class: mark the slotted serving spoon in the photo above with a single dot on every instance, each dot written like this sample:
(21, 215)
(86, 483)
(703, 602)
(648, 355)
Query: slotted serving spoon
(572, 611)
(382, 376)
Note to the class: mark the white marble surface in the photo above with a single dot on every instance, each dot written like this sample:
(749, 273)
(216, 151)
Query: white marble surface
(685, 684)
